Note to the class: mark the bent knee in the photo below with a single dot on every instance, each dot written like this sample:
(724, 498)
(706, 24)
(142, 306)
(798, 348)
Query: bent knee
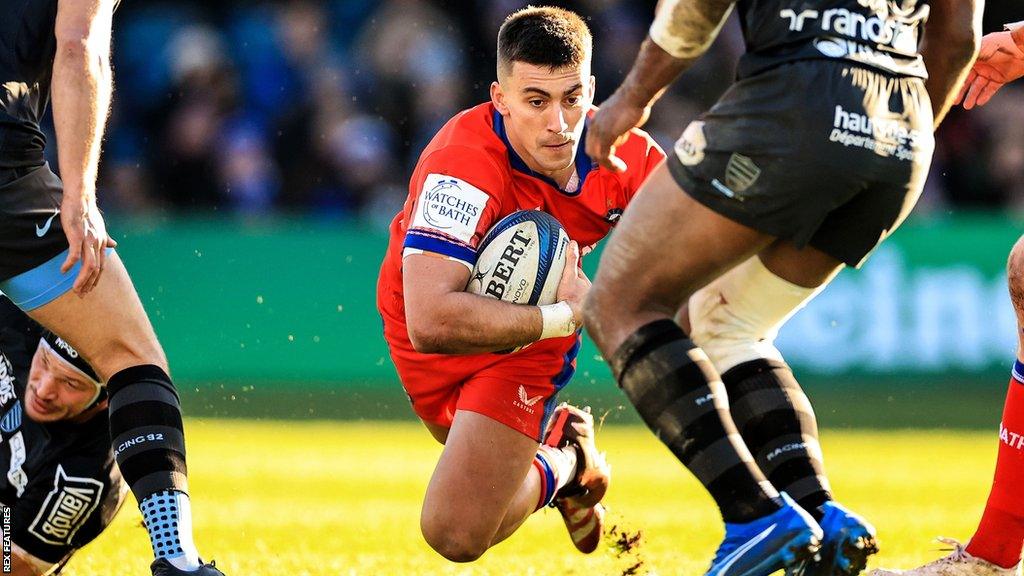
(121, 353)
(454, 543)
(1015, 267)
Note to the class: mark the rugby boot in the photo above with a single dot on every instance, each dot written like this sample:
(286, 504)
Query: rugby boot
(957, 563)
(780, 541)
(848, 541)
(161, 567)
(579, 501)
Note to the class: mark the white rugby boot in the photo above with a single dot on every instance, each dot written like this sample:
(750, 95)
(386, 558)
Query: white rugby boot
(957, 563)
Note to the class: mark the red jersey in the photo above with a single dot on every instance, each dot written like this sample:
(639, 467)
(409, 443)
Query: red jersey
(467, 179)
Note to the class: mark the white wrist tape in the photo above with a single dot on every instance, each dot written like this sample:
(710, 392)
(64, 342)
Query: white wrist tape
(668, 32)
(558, 320)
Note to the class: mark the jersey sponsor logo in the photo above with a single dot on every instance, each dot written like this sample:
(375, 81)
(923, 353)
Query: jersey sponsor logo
(690, 146)
(525, 402)
(42, 230)
(66, 508)
(6, 380)
(838, 48)
(15, 474)
(741, 173)
(12, 419)
(887, 26)
(450, 205)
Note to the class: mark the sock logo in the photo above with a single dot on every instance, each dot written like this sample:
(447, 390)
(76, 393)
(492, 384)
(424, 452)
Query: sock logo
(785, 448)
(66, 508)
(152, 437)
(1011, 439)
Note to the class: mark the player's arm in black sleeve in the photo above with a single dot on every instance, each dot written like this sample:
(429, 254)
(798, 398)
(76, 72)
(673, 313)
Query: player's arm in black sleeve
(952, 37)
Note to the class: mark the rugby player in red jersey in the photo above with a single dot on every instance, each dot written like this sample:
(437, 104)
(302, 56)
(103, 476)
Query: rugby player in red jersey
(520, 150)
(995, 548)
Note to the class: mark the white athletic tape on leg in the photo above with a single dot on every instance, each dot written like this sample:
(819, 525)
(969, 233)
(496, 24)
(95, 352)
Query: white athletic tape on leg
(736, 318)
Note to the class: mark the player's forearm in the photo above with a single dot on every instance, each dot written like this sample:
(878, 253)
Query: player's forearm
(681, 32)
(652, 72)
(464, 323)
(81, 93)
(950, 44)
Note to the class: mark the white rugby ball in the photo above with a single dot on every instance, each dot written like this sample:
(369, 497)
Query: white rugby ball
(521, 259)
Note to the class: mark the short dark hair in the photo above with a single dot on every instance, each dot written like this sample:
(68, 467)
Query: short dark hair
(543, 36)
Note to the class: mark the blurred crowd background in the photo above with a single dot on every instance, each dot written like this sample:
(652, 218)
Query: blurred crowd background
(323, 107)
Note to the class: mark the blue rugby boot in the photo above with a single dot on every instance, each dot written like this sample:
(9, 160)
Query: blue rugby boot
(781, 540)
(849, 540)
(161, 567)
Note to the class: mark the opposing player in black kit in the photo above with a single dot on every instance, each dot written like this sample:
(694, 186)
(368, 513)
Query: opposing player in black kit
(58, 476)
(57, 262)
(814, 156)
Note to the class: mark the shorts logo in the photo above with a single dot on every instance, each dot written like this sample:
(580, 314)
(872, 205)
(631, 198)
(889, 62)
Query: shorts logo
(42, 230)
(11, 420)
(690, 146)
(66, 508)
(449, 205)
(525, 402)
(741, 173)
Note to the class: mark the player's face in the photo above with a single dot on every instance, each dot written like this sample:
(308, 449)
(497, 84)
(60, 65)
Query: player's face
(544, 111)
(55, 391)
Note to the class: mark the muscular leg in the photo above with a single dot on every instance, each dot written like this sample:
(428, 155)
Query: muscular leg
(665, 248)
(735, 320)
(1000, 534)
(109, 327)
(484, 487)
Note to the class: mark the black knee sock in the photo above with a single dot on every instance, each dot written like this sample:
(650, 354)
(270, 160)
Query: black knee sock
(145, 426)
(777, 423)
(679, 395)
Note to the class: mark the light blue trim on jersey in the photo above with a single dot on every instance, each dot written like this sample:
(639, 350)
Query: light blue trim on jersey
(42, 284)
(1018, 371)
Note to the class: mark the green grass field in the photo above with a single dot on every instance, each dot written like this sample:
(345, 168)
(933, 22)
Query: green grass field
(330, 498)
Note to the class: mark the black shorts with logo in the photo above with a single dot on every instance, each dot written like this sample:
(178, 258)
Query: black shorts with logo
(819, 152)
(30, 228)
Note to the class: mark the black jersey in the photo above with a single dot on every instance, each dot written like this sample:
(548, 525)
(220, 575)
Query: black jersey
(59, 479)
(882, 34)
(27, 48)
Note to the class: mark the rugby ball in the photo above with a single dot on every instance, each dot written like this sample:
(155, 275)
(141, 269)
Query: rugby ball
(521, 259)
